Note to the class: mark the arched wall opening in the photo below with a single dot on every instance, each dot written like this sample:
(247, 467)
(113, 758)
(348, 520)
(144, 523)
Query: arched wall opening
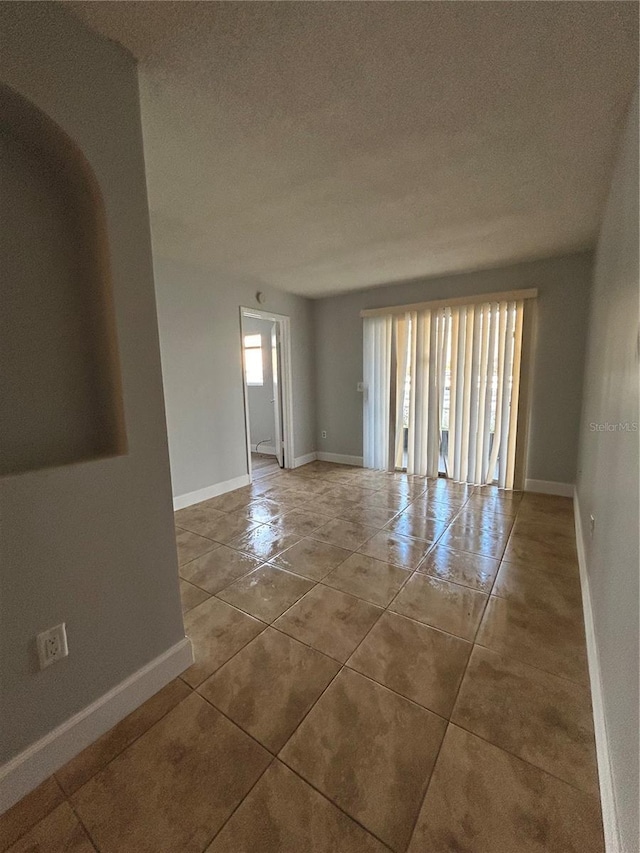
(60, 385)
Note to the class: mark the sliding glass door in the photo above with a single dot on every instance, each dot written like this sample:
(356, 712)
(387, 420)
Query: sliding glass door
(442, 390)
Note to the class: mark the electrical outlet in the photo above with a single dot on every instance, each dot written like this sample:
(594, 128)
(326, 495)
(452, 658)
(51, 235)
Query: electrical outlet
(592, 524)
(52, 645)
(360, 387)
(323, 434)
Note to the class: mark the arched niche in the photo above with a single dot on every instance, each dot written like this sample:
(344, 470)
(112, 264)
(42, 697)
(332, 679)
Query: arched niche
(60, 388)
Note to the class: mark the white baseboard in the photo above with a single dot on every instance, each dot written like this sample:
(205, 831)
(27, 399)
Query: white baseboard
(267, 449)
(607, 796)
(182, 501)
(339, 458)
(549, 487)
(304, 460)
(27, 770)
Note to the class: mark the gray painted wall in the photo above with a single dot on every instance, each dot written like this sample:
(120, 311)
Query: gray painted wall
(261, 411)
(608, 475)
(563, 285)
(199, 317)
(91, 544)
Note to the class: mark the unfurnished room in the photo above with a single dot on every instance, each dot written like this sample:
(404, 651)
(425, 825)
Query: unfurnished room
(319, 406)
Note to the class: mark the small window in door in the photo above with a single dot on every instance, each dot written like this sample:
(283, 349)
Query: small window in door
(253, 359)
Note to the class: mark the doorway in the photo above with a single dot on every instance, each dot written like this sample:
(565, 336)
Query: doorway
(266, 360)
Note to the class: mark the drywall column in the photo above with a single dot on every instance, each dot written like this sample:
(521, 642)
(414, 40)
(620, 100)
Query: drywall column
(90, 543)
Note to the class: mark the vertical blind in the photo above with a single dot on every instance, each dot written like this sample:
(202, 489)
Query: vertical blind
(445, 381)
(378, 333)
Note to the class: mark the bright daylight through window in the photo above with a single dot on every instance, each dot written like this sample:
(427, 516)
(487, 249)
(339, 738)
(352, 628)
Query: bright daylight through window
(253, 359)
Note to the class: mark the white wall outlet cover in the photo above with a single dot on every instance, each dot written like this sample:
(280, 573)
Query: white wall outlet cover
(361, 386)
(52, 645)
(323, 434)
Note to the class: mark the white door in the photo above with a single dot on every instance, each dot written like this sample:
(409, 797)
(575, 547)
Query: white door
(277, 392)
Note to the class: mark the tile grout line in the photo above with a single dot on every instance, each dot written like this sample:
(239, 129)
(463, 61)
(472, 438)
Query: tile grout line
(491, 743)
(583, 685)
(435, 763)
(342, 665)
(124, 748)
(410, 572)
(226, 821)
(336, 805)
(307, 781)
(211, 594)
(275, 627)
(67, 795)
(425, 556)
(524, 760)
(83, 825)
(65, 799)
(505, 598)
(272, 624)
(234, 723)
(265, 625)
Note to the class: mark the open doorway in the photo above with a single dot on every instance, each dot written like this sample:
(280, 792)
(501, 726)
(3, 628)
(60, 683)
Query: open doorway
(266, 360)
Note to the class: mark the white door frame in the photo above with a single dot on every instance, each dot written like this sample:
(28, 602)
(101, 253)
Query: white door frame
(284, 324)
(276, 381)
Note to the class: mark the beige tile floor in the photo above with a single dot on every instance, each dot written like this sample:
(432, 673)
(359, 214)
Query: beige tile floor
(382, 662)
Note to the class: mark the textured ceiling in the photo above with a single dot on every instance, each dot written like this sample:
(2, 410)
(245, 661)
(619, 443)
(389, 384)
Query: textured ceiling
(322, 147)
